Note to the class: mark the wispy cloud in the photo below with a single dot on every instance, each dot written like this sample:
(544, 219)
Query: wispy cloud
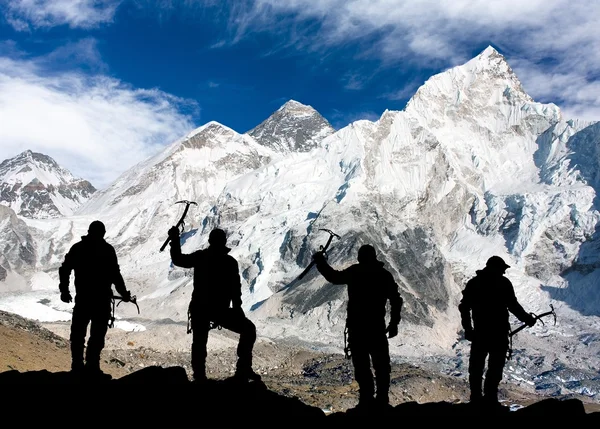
(93, 124)
(81, 53)
(25, 15)
(355, 81)
(427, 33)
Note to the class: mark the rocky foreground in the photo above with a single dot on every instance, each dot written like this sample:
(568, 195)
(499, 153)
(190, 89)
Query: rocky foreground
(164, 397)
(297, 384)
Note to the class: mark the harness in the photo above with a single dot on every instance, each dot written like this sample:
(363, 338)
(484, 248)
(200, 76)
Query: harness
(347, 353)
(212, 325)
(111, 321)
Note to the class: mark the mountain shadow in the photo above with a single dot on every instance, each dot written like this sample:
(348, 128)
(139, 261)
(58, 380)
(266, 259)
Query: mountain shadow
(164, 397)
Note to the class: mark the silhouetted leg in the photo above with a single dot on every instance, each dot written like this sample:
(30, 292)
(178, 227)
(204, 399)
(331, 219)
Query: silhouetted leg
(79, 325)
(359, 349)
(380, 354)
(476, 367)
(493, 375)
(200, 329)
(98, 328)
(236, 321)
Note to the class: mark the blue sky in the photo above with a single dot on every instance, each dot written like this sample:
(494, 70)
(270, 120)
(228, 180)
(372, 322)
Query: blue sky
(99, 85)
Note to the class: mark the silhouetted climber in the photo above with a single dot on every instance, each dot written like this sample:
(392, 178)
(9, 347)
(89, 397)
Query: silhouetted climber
(487, 299)
(216, 302)
(96, 268)
(370, 286)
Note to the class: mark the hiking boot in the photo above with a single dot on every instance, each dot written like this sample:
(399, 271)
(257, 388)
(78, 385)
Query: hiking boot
(246, 375)
(491, 403)
(93, 372)
(77, 367)
(365, 401)
(476, 400)
(382, 401)
(200, 378)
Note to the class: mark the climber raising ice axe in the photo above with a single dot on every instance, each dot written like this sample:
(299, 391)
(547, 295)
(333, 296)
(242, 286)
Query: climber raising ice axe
(181, 223)
(323, 249)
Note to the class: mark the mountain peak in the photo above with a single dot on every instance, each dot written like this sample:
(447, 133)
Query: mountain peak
(29, 156)
(487, 59)
(486, 79)
(210, 126)
(293, 105)
(294, 127)
(34, 185)
(490, 51)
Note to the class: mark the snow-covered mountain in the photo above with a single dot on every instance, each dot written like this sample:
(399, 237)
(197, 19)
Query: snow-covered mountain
(18, 257)
(294, 127)
(35, 186)
(472, 167)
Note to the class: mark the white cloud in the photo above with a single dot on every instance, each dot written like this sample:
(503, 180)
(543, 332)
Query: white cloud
(94, 125)
(24, 14)
(544, 40)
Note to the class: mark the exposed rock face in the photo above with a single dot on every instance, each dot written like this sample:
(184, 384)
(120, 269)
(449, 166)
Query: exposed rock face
(36, 187)
(18, 255)
(294, 127)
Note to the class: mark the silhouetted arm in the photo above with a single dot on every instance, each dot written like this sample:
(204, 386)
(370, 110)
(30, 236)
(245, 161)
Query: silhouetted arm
(64, 272)
(332, 276)
(181, 259)
(117, 277)
(515, 308)
(236, 300)
(464, 307)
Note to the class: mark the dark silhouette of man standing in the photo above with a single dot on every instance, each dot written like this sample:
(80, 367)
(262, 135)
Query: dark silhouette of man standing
(486, 301)
(216, 301)
(370, 286)
(96, 268)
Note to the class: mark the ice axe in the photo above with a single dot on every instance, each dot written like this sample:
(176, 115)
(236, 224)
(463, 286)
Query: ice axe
(524, 325)
(132, 299)
(536, 317)
(323, 249)
(181, 222)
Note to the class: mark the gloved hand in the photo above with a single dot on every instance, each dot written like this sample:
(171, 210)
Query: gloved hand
(531, 321)
(469, 335)
(319, 257)
(126, 296)
(392, 331)
(174, 233)
(66, 297)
